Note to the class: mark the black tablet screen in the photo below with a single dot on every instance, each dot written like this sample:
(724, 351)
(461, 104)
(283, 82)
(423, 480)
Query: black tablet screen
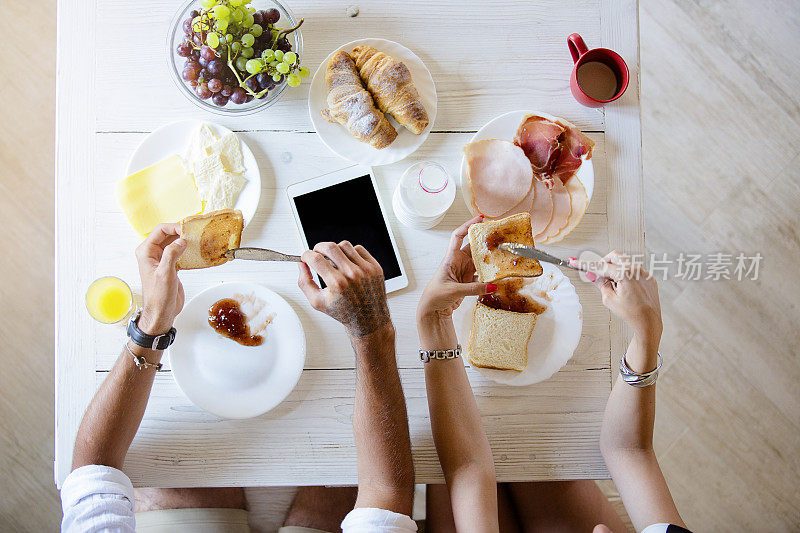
(348, 211)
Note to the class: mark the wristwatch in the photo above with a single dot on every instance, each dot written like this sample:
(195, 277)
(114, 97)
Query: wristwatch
(151, 342)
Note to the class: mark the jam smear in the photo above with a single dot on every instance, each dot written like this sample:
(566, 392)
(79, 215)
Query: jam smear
(508, 298)
(227, 319)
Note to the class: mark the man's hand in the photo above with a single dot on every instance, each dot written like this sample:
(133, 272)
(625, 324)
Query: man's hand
(355, 294)
(162, 291)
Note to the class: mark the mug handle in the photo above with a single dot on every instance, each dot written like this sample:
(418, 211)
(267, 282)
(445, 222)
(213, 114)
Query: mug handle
(576, 46)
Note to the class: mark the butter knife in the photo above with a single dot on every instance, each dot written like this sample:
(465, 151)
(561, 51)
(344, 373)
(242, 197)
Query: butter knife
(533, 253)
(259, 254)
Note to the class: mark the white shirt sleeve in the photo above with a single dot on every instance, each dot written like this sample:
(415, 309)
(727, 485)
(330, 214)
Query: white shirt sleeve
(372, 520)
(97, 498)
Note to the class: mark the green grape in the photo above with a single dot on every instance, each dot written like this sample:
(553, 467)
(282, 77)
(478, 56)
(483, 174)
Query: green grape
(304, 72)
(247, 21)
(238, 14)
(197, 24)
(293, 80)
(208, 4)
(253, 66)
(283, 68)
(248, 39)
(241, 63)
(273, 63)
(256, 29)
(236, 47)
(268, 55)
(251, 10)
(248, 52)
(236, 3)
(290, 58)
(229, 38)
(222, 12)
(276, 77)
(212, 40)
(222, 26)
(279, 55)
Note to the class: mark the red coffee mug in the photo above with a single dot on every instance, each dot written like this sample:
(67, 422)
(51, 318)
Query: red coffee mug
(582, 56)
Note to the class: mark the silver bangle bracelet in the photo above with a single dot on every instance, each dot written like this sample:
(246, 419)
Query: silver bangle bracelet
(427, 355)
(639, 380)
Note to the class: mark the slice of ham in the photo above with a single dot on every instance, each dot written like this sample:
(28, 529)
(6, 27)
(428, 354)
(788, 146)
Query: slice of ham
(578, 203)
(499, 173)
(539, 203)
(574, 145)
(561, 210)
(540, 139)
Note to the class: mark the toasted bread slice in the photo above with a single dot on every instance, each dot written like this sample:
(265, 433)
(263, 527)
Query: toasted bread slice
(492, 263)
(499, 338)
(209, 236)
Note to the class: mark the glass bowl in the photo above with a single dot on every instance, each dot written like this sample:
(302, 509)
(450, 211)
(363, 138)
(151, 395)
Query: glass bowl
(175, 62)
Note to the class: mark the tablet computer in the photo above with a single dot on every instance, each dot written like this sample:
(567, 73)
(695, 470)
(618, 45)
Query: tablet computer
(345, 205)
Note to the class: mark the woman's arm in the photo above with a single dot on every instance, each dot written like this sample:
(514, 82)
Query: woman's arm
(626, 438)
(461, 443)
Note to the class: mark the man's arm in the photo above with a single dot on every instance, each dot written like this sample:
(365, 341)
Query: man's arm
(356, 296)
(114, 415)
(461, 443)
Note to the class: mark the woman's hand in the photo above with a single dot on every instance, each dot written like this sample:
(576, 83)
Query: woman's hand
(453, 280)
(630, 292)
(162, 291)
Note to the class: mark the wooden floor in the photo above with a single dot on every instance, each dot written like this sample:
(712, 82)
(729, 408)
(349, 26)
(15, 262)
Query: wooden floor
(721, 120)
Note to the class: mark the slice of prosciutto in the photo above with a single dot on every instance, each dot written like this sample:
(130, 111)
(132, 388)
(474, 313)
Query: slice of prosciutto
(574, 145)
(499, 174)
(540, 139)
(562, 207)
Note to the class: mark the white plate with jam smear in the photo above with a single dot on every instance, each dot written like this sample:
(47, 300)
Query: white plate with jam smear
(555, 336)
(229, 379)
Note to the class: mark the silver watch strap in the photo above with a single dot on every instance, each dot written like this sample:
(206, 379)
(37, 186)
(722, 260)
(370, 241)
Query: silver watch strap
(636, 379)
(426, 355)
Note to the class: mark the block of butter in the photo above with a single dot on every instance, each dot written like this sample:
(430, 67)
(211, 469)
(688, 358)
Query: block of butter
(163, 192)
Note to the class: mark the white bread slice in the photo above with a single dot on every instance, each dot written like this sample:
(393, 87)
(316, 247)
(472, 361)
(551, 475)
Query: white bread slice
(492, 263)
(209, 236)
(499, 338)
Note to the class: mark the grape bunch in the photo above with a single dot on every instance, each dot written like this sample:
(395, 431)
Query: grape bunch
(235, 53)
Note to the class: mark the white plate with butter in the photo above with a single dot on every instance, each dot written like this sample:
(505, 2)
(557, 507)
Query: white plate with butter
(229, 379)
(172, 139)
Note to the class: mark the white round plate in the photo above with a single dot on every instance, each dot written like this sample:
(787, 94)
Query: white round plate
(222, 376)
(338, 139)
(172, 139)
(554, 338)
(505, 127)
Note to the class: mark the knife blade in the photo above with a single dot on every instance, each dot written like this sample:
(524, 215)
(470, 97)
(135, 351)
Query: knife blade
(259, 254)
(533, 253)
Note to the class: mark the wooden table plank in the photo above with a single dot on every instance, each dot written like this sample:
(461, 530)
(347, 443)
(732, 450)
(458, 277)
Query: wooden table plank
(484, 57)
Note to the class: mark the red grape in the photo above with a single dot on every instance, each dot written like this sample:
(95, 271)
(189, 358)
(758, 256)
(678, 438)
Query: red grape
(192, 64)
(203, 91)
(187, 26)
(258, 17)
(283, 44)
(189, 74)
(194, 13)
(198, 39)
(238, 96)
(184, 49)
(227, 90)
(252, 84)
(271, 16)
(216, 66)
(208, 53)
(215, 85)
(248, 98)
(219, 99)
(203, 61)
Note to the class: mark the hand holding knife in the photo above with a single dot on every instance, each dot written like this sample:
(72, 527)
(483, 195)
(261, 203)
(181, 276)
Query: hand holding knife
(534, 253)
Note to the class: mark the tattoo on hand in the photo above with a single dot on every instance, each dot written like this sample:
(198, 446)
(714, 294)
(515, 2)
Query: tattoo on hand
(361, 307)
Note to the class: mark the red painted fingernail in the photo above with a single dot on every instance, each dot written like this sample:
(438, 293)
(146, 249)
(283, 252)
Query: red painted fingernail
(591, 276)
(491, 287)
(481, 216)
(573, 258)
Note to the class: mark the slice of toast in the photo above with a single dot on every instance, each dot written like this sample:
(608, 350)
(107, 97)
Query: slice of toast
(209, 236)
(499, 338)
(492, 263)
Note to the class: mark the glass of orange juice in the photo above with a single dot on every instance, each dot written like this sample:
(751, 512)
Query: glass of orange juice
(109, 300)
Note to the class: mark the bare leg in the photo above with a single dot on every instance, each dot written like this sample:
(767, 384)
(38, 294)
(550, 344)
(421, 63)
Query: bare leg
(321, 508)
(152, 499)
(563, 506)
(439, 511)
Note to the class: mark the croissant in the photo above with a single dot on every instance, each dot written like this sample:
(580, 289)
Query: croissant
(352, 106)
(391, 85)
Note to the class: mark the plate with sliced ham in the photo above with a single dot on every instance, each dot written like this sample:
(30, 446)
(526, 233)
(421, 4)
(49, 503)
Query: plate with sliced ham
(534, 162)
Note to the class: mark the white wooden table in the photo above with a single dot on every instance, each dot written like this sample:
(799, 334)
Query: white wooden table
(114, 88)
